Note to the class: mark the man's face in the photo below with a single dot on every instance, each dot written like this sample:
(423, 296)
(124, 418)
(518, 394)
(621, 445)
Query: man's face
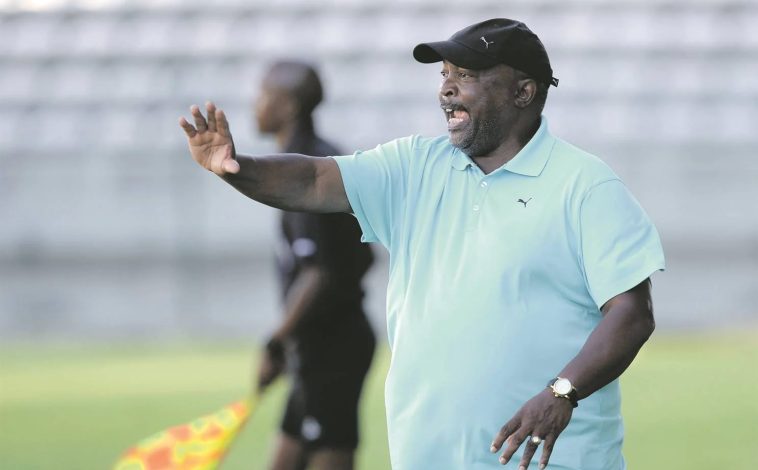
(478, 106)
(270, 109)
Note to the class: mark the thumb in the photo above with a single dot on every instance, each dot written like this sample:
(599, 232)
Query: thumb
(231, 166)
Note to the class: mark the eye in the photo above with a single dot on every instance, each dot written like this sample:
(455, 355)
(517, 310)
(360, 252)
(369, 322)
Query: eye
(444, 73)
(463, 75)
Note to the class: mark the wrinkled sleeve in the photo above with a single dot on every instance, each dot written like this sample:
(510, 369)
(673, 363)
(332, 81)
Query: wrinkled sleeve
(375, 182)
(620, 245)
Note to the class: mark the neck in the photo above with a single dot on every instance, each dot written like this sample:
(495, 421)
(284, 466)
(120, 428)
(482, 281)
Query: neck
(286, 136)
(521, 133)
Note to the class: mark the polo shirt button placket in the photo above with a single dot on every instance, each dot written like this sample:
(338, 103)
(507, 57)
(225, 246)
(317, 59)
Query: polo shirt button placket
(476, 207)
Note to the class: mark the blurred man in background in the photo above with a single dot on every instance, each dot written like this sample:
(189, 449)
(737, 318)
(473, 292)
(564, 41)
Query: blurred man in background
(321, 263)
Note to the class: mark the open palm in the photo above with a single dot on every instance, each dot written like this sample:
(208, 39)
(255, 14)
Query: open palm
(210, 141)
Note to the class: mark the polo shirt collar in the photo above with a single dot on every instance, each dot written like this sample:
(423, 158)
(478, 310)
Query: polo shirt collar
(460, 160)
(529, 161)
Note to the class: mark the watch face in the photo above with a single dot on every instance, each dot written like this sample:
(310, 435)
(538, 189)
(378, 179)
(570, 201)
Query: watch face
(562, 386)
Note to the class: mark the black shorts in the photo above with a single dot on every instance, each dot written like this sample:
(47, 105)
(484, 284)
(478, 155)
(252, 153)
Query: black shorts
(322, 410)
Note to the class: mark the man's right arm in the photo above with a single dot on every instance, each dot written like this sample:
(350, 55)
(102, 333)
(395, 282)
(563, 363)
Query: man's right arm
(290, 182)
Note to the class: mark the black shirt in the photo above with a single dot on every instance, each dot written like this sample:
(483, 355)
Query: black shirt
(337, 322)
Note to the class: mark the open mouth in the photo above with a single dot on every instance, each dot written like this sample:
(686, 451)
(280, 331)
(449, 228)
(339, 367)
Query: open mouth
(456, 117)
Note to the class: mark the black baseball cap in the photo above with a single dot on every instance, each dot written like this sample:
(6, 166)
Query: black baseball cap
(489, 43)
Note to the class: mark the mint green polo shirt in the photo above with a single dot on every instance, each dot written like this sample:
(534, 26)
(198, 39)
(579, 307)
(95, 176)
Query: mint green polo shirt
(495, 283)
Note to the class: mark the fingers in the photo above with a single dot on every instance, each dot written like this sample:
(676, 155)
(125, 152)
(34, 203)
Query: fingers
(210, 109)
(504, 433)
(547, 449)
(210, 140)
(216, 121)
(200, 122)
(513, 442)
(541, 420)
(222, 125)
(532, 443)
(188, 128)
(526, 457)
(513, 434)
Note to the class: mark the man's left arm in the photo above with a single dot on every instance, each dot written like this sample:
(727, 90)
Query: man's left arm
(312, 283)
(627, 323)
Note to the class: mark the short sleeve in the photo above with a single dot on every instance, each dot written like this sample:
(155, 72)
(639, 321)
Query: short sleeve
(620, 245)
(375, 182)
(306, 233)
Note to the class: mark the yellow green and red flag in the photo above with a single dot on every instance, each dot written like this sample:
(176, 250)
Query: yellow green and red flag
(198, 445)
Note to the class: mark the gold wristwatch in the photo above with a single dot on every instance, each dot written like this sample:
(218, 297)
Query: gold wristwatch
(563, 388)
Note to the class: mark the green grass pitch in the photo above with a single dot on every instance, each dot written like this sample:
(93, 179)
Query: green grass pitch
(689, 402)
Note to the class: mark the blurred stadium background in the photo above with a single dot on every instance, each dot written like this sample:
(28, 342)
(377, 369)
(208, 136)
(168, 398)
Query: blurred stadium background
(109, 233)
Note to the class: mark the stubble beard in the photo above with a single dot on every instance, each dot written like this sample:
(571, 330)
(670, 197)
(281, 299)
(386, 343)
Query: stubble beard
(477, 140)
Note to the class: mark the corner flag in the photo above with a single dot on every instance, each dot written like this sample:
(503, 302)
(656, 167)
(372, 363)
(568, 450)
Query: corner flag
(198, 445)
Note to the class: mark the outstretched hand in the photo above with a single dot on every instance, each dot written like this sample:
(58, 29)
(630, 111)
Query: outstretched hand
(539, 421)
(210, 141)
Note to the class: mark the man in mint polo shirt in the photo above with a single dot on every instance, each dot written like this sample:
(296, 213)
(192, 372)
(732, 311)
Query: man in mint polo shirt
(519, 265)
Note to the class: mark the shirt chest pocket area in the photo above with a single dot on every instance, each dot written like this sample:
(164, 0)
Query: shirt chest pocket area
(520, 231)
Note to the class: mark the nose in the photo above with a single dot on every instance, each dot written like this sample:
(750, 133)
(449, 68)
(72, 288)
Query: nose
(448, 88)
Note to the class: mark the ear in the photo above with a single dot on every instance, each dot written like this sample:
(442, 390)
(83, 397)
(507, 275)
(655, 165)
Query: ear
(525, 92)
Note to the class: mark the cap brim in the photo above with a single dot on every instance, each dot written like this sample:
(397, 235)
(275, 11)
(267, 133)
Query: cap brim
(451, 51)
